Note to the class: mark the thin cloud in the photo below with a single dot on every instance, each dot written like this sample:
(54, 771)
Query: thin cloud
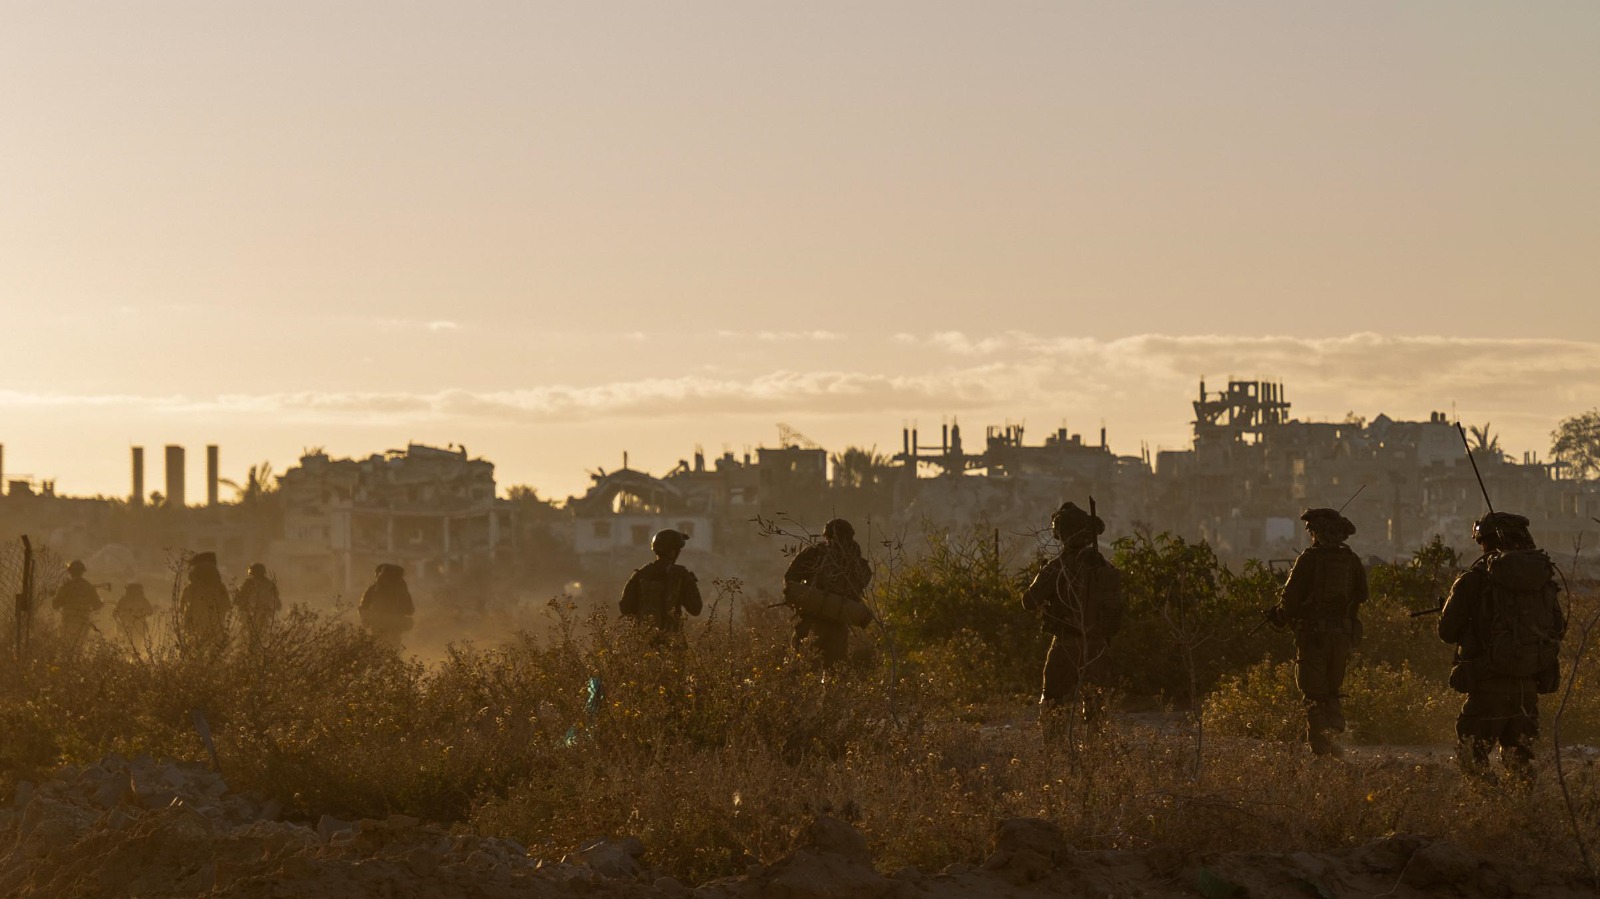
(781, 336)
(1140, 385)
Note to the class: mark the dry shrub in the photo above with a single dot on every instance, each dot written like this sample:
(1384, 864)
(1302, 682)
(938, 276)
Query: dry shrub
(1383, 705)
(713, 746)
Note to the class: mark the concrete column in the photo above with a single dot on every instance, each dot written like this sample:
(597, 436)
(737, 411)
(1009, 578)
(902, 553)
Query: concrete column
(212, 460)
(138, 477)
(175, 493)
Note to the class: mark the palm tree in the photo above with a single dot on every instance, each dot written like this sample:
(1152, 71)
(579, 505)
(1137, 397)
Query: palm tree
(857, 467)
(1485, 443)
(258, 484)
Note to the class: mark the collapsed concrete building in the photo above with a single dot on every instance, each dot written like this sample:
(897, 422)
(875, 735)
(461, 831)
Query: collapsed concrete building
(1249, 471)
(1252, 468)
(430, 510)
(1241, 485)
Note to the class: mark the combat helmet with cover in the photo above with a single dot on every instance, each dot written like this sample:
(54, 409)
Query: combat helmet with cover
(1069, 521)
(1328, 521)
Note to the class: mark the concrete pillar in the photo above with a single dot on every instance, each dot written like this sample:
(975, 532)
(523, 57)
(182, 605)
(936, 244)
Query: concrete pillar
(175, 493)
(213, 457)
(137, 499)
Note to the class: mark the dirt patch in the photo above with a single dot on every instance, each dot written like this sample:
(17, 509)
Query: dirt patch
(147, 828)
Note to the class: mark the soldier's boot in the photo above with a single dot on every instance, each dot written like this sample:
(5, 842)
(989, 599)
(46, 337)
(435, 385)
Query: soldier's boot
(1472, 757)
(1055, 723)
(1094, 711)
(1323, 721)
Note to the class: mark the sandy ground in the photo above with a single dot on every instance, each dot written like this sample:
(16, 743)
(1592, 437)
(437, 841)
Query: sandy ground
(158, 828)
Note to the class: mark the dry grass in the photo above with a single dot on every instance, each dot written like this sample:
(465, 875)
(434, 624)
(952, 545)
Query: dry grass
(713, 748)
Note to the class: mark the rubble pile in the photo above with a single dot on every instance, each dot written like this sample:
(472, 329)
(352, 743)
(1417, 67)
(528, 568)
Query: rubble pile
(147, 828)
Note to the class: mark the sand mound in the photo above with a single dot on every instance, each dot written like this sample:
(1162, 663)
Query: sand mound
(147, 828)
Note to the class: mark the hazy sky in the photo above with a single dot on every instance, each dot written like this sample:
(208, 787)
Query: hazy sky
(555, 232)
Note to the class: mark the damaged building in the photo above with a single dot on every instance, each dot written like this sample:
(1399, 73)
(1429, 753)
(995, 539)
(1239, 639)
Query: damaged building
(1253, 467)
(430, 510)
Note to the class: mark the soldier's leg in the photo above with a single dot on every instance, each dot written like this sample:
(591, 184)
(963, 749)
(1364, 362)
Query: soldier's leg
(1338, 658)
(1478, 727)
(1522, 728)
(1059, 698)
(1097, 672)
(1312, 676)
(833, 640)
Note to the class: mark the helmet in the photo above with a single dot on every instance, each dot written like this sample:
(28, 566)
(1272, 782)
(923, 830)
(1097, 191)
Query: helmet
(668, 541)
(388, 568)
(76, 567)
(203, 560)
(1502, 526)
(839, 529)
(136, 590)
(1328, 521)
(1069, 521)
(256, 569)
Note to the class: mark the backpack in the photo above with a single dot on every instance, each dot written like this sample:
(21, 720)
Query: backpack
(1523, 623)
(661, 597)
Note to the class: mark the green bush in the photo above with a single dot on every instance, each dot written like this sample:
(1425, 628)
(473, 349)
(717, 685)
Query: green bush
(1187, 609)
(956, 611)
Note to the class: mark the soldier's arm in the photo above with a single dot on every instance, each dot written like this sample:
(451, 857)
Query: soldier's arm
(1043, 588)
(1459, 606)
(630, 596)
(690, 593)
(1297, 590)
(804, 565)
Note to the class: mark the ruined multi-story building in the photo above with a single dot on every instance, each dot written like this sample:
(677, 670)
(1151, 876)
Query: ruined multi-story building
(430, 510)
(1253, 468)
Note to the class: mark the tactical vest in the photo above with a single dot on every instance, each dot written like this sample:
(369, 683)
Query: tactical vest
(660, 598)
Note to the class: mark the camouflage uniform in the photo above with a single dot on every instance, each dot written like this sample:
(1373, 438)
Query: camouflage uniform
(835, 566)
(1079, 594)
(204, 600)
(1321, 602)
(1500, 708)
(660, 592)
(132, 614)
(77, 600)
(386, 606)
(257, 601)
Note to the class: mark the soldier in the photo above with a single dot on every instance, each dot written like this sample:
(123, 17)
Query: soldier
(835, 569)
(1079, 595)
(257, 601)
(1506, 621)
(132, 614)
(386, 607)
(77, 600)
(204, 600)
(659, 593)
(1321, 602)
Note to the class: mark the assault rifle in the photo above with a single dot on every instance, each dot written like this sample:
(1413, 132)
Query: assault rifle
(1421, 613)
